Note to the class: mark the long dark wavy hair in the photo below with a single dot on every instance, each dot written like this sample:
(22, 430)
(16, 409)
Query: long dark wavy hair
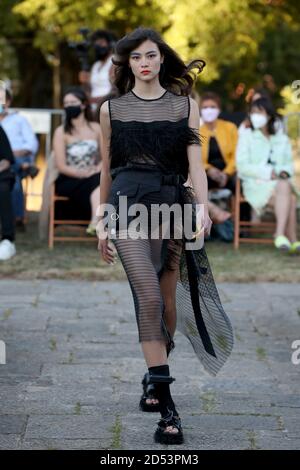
(82, 96)
(174, 75)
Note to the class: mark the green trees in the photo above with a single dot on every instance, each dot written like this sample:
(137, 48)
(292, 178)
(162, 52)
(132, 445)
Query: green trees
(245, 43)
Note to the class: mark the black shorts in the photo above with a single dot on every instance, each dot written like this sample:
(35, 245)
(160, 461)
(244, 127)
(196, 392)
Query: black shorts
(143, 187)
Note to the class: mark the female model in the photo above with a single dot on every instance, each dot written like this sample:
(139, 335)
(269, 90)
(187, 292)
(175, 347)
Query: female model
(150, 147)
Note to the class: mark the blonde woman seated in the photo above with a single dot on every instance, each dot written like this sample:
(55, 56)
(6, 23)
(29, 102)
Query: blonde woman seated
(76, 147)
(265, 166)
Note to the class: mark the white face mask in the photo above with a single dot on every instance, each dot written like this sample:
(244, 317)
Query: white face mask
(258, 120)
(210, 114)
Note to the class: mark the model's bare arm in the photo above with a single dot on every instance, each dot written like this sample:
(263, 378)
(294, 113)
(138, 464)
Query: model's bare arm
(105, 182)
(197, 173)
(105, 129)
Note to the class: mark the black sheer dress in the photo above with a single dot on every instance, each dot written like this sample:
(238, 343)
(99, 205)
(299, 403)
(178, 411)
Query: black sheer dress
(149, 165)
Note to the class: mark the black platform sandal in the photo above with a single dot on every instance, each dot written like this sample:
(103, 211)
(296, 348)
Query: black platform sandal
(166, 437)
(149, 390)
(171, 419)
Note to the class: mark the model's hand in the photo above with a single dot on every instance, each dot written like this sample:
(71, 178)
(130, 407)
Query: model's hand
(204, 224)
(106, 251)
(104, 247)
(207, 225)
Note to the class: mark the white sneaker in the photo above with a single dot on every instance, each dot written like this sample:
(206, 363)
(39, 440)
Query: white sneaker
(7, 250)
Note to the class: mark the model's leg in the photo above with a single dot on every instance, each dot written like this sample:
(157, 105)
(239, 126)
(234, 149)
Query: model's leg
(141, 260)
(138, 260)
(168, 282)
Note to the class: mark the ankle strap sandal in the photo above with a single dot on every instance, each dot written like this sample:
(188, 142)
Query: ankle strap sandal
(168, 437)
(149, 392)
(155, 378)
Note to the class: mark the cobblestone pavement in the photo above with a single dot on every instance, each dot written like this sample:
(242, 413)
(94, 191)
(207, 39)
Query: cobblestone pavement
(74, 367)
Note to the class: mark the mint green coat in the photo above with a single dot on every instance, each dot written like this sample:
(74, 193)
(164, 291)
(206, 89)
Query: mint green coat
(252, 155)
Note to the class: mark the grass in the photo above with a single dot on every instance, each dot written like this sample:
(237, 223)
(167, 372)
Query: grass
(251, 263)
(116, 433)
(208, 401)
(252, 440)
(261, 354)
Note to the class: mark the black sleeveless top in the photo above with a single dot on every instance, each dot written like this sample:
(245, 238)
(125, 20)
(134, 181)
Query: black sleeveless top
(151, 131)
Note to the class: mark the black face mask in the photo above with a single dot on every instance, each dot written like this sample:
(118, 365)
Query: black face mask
(72, 112)
(101, 52)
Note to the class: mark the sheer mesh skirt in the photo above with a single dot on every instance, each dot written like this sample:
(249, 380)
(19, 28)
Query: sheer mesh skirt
(200, 314)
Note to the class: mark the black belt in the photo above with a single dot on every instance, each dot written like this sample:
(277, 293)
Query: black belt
(169, 179)
(172, 179)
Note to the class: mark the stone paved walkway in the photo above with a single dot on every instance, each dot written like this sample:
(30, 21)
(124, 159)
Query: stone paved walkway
(74, 366)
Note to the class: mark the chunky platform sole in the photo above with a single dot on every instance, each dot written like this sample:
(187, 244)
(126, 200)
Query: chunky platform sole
(170, 438)
(162, 437)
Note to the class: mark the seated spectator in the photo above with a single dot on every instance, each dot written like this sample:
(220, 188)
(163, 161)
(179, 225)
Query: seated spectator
(218, 154)
(255, 95)
(219, 144)
(76, 146)
(24, 144)
(265, 166)
(7, 179)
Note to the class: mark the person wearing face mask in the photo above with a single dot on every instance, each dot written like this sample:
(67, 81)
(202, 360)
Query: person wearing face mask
(218, 151)
(219, 144)
(265, 166)
(76, 147)
(24, 144)
(101, 74)
(253, 95)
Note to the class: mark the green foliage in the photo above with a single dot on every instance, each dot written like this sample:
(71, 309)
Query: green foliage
(248, 43)
(8, 62)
